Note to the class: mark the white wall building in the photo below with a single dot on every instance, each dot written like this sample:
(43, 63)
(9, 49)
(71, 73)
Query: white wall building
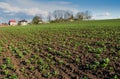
(23, 22)
(12, 22)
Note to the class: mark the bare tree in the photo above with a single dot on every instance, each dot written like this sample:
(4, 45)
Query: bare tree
(62, 15)
(49, 17)
(84, 15)
(80, 15)
(88, 14)
(68, 15)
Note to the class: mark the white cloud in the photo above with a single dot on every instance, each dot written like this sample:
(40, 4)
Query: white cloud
(26, 9)
(29, 11)
(118, 16)
(61, 2)
(107, 14)
(8, 8)
(1, 18)
(34, 7)
(104, 14)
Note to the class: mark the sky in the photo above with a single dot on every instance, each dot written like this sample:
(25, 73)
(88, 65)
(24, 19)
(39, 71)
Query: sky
(27, 9)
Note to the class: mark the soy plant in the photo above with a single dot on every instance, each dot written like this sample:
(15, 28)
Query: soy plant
(100, 44)
(12, 67)
(20, 55)
(16, 51)
(55, 52)
(49, 56)
(25, 51)
(77, 44)
(97, 50)
(13, 76)
(23, 69)
(116, 77)
(59, 53)
(27, 61)
(46, 74)
(105, 62)
(85, 77)
(6, 72)
(67, 54)
(3, 66)
(55, 73)
(77, 60)
(42, 65)
(7, 61)
(1, 50)
(61, 62)
(7, 64)
(40, 61)
(95, 65)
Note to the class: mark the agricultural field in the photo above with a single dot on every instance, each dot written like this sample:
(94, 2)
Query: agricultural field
(76, 50)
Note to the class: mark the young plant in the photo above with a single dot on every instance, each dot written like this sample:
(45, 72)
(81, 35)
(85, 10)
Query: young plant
(55, 73)
(5, 72)
(3, 66)
(77, 60)
(13, 76)
(105, 62)
(61, 62)
(20, 54)
(8, 61)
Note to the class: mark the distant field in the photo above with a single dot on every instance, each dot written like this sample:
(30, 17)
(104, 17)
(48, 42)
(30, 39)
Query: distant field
(76, 50)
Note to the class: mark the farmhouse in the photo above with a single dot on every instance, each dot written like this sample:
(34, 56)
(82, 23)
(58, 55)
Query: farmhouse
(23, 22)
(12, 22)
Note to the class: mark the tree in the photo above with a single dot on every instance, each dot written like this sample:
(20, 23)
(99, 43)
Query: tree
(37, 20)
(62, 15)
(68, 15)
(58, 14)
(80, 15)
(49, 17)
(88, 15)
(84, 15)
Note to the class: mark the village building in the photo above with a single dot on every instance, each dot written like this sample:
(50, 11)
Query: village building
(23, 22)
(3, 24)
(12, 22)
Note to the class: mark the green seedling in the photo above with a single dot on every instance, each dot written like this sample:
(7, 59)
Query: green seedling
(40, 61)
(27, 61)
(77, 60)
(105, 62)
(85, 77)
(22, 69)
(20, 54)
(3, 66)
(46, 74)
(8, 61)
(116, 77)
(14, 76)
(6, 72)
(32, 68)
(11, 66)
(55, 73)
(61, 62)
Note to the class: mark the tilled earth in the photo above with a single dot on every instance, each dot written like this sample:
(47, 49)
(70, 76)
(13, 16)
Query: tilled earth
(60, 54)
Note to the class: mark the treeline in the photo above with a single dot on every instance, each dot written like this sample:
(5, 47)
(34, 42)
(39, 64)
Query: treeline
(63, 16)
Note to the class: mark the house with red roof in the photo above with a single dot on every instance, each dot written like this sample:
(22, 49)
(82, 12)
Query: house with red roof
(12, 22)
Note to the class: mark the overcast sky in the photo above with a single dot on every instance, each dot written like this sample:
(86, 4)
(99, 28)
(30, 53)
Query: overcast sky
(26, 9)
